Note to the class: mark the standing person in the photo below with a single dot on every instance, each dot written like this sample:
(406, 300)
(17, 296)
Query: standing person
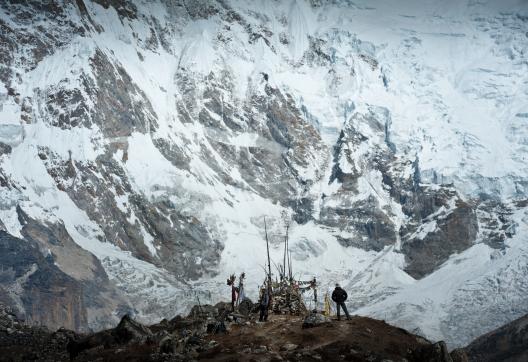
(264, 304)
(234, 296)
(313, 285)
(339, 296)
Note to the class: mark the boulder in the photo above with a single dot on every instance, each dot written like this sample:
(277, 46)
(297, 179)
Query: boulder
(458, 355)
(314, 320)
(167, 345)
(203, 312)
(128, 330)
(246, 307)
(436, 352)
(216, 327)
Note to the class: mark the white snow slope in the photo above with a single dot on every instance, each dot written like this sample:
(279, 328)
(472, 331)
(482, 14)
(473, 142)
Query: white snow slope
(453, 75)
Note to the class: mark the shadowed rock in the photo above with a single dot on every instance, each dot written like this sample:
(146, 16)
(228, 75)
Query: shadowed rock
(508, 343)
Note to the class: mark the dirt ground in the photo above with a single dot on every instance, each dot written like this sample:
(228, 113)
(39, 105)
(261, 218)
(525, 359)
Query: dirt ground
(282, 338)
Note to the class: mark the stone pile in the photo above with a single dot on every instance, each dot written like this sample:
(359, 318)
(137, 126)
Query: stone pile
(288, 301)
(315, 319)
(8, 320)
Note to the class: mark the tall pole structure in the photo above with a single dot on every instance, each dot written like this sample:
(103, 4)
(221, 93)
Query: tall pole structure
(288, 250)
(290, 265)
(269, 260)
(285, 252)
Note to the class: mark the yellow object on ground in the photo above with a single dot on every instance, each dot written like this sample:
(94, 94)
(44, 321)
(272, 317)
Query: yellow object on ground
(327, 306)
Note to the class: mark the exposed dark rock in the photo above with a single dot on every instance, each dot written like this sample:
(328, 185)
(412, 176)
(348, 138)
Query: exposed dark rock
(364, 221)
(303, 210)
(57, 281)
(374, 229)
(203, 312)
(167, 345)
(315, 320)
(496, 222)
(4, 149)
(433, 353)
(128, 330)
(459, 355)
(246, 307)
(173, 153)
(200, 9)
(453, 234)
(89, 185)
(121, 106)
(124, 8)
(49, 296)
(508, 343)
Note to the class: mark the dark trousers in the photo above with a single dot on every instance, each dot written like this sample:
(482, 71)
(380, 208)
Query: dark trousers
(339, 306)
(263, 313)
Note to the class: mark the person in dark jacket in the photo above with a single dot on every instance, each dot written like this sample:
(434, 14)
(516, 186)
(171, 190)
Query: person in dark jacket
(339, 296)
(264, 304)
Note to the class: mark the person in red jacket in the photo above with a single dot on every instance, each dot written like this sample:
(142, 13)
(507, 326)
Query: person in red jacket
(339, 296)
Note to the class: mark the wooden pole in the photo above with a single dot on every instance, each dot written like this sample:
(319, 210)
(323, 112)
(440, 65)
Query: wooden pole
(288, 253)
(284, 258)
(269, 260)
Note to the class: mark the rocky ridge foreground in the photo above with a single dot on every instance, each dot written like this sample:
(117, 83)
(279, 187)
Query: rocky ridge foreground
(214, 333)
(508, 343)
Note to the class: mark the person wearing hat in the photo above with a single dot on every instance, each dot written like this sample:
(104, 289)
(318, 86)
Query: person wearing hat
(339, 296)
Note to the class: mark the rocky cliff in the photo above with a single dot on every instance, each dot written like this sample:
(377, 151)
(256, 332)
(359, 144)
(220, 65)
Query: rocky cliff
(507, 343)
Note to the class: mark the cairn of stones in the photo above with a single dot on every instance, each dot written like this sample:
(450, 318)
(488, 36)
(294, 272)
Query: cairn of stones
(287, 299)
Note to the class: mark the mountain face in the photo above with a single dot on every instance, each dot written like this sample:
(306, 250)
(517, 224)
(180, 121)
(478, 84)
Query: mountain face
(145, 146)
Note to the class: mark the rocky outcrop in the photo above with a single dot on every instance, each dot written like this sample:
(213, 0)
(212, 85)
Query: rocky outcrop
(436, 352)
(52, 281)
(508, 343)
(44, 293)
(496, 224)
(362, 155)
(100, 184)
(120, 106)
(282, 338)
(438, 238)
(315, 320)
(373, 194)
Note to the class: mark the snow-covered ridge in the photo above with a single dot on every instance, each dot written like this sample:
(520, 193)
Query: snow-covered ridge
(160, 135)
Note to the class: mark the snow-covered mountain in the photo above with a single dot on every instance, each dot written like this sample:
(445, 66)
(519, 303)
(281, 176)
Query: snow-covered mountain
(142, 143)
